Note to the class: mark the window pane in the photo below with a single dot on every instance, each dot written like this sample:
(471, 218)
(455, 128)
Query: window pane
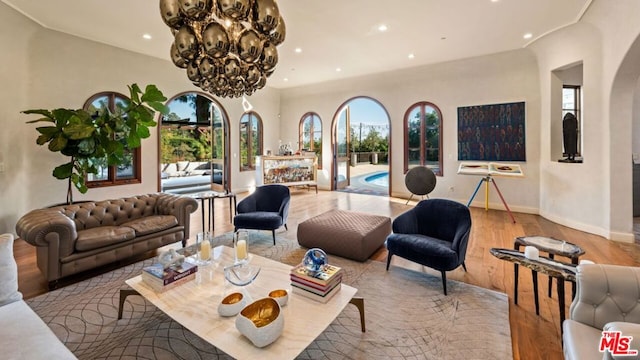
(423, 123)
(128, 170)
(250, 140)
(413, 143)
(568, 98)
(103, 170)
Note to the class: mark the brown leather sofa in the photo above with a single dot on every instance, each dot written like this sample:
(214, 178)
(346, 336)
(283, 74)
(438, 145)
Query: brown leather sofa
(82, 236)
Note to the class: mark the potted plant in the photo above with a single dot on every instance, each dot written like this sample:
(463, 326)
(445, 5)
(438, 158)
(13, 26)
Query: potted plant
(94, 139)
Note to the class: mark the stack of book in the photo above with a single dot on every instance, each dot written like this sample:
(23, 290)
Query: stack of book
(321, 286)
(160, 279)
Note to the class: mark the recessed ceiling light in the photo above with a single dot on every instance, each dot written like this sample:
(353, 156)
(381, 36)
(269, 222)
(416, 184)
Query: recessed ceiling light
(338, 69)
(495, 0)
(411, 56)
(146, 36)
(298, 50)
(285, 79)
(528, 36)
(383, 28)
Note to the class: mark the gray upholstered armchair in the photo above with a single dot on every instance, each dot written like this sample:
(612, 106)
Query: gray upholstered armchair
(607, 299)
(435, 233)
(266, 209)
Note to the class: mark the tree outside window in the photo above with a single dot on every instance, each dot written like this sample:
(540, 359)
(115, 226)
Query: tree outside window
(310, 135)
(250, 140)
(423, 134)
(130, 171)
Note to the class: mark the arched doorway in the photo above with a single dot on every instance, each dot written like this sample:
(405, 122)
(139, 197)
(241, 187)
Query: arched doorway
(360, 139)
(624, 119)
(193, 149)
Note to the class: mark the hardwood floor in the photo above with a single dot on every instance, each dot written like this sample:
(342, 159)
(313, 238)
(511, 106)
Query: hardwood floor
(533, 337)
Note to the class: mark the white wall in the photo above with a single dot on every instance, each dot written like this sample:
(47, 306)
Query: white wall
(498, 78)
(594, 196)
(636, 120)
(46, 69)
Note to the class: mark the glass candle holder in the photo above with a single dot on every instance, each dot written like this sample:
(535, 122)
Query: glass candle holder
(203, 247)
(241, 246)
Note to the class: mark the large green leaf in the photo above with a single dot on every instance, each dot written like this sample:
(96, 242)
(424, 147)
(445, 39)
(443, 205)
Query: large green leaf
(42, 112)
(58, 143)
(78, 130)
(62, 117)
(151, 94)
(134, 91)
(159, 107)
(143, 132)
(63, 171)
(134, 140)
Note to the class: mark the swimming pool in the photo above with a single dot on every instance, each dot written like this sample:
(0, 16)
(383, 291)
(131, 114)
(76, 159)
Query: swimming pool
(379, 179)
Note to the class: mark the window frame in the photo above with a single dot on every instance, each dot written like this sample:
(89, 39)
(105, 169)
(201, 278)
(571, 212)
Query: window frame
(423, 129)
(301, 132)
(577, 111)
(251, 166)
(112, 177)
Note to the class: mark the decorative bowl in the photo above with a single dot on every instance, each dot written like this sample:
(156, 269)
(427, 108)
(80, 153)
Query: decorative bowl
(280, 295)
(261, 322)
(241, 274)
(232, 304)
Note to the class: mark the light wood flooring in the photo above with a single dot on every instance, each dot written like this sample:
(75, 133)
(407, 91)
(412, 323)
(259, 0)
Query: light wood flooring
(533, 337)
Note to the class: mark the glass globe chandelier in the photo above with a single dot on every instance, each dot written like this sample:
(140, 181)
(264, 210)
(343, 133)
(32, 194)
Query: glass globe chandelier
(228, 47)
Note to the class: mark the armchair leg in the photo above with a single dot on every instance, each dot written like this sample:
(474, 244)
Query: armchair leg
(389, 260)
(464, 266)
(285, 227)
(444, 282)
(273, 232)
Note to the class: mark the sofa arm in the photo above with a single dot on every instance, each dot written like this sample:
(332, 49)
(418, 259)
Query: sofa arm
(179, 206)
(606, 293)
(45, 227)
(626, 329)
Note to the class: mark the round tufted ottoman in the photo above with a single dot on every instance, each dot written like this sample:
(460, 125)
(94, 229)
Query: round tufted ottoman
(348, 234)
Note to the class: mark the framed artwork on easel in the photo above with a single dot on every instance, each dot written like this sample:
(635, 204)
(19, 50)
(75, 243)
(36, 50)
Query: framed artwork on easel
(493, 132)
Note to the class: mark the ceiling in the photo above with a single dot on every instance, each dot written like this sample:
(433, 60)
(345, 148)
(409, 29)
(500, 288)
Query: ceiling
(333, 33)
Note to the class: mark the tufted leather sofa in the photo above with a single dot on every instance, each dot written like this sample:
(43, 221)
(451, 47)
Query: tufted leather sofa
(607, 299)
(82, 236)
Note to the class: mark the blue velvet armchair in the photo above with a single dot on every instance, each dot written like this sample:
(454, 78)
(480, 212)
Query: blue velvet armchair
(266, 209)
(435, 233)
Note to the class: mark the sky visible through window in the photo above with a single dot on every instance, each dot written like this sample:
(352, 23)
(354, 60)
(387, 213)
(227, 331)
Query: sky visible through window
(370, 114)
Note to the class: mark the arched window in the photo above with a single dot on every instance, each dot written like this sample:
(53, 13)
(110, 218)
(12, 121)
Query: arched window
(423, 137)
(250, 140)
(310, 135)
(129, 173)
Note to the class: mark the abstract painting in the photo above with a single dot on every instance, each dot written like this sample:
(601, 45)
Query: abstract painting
(493, 132)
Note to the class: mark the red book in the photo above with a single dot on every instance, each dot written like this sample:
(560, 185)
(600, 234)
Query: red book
(329, 285)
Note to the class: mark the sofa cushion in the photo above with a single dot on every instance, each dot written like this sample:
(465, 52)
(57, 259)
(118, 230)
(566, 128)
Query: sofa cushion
(258, 220)
(102, 236)
(8, 272)
(25, 336)
(580, 341)
(152, 224)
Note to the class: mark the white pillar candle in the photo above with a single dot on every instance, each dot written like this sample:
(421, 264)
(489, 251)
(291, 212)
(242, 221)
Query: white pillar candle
(205, 250)
(241, 249)
(531, 252)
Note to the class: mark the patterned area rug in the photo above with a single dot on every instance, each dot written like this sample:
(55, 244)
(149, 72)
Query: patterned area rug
(407, 316)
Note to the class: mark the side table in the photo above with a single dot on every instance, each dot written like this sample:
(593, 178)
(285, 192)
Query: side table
(210, 196)
(552, 247)
(553, 268)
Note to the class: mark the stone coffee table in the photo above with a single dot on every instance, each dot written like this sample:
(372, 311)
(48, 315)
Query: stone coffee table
(194, 305)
